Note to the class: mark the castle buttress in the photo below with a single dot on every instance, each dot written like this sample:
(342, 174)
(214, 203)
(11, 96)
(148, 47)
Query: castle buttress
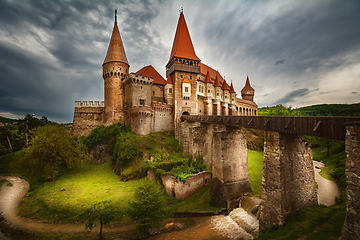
(148, 102)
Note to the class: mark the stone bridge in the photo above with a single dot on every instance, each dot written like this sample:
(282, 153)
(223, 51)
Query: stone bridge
(288, 181)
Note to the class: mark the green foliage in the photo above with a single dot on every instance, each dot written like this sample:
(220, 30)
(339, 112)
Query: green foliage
(332, 110)
(278, 110)
(104, 134)
(102, 212)
(183, 172)
(52, 149)
(148, 208)
(126, 151)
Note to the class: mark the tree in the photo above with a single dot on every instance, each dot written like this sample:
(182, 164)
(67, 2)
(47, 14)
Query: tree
(148, 208)
(102, 212)
(52, 149)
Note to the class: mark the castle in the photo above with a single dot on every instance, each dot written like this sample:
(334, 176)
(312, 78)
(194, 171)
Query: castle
(148, 102)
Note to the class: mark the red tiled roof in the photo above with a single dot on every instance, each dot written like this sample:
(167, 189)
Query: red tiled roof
(213, 73)
(207, 78)
(217, 83)
(116, 50)
(149, 71)
(182, 45)
(169, 80)
(247, 85)
(232, 88)
(225, 86)
(239, 100)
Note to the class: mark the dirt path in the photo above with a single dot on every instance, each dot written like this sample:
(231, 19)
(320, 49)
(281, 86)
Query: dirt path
(328, 191)
(10, 198)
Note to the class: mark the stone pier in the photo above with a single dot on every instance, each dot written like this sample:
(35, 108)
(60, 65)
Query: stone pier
(288, 182)
(225, 152)
(351, 228)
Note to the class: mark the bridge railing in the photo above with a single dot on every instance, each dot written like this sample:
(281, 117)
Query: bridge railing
(327, 127)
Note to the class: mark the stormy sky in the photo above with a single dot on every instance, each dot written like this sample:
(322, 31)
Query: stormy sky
(296, 52)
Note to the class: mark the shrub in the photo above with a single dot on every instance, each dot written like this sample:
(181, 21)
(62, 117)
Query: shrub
(148, 208)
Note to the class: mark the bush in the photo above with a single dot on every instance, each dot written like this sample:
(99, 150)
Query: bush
(51, 150)
(148, 208)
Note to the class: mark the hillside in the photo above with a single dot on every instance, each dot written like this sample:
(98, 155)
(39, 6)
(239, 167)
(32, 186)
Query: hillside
(343, 110)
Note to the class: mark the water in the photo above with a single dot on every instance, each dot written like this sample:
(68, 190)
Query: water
(220, 227)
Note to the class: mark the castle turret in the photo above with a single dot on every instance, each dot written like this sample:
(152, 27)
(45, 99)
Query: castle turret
(169, 91)
(248, 92)
(115, 68)
(183, 68)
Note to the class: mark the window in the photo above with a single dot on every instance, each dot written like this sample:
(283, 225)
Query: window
(153, 93)
(208, 91)
(140, 87)
(142, 102)
(199, 88)
(181, 76)
(217, 94)
(186, 89)
(190, 77)
(170, 90)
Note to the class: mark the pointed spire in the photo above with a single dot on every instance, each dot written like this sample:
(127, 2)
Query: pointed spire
(207, 78)
(217, 83)
(182, 45)
(247, 85)
(225, 86)
(169, 80)
(232, 88)
(116, 50)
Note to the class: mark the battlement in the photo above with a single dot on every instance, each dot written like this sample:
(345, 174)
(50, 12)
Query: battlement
(133, 78)
(160, 106)
(89, 104)
(142, 110)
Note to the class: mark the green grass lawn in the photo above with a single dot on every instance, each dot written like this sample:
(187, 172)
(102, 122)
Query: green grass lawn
(66, 199)
(255, 162)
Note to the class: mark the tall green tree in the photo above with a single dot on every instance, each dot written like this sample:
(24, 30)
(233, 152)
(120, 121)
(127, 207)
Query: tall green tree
(52, 149)
(148, 208)
(102, 212)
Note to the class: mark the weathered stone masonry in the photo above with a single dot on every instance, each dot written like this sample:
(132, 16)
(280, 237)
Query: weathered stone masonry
(288, 182)
(351, 229)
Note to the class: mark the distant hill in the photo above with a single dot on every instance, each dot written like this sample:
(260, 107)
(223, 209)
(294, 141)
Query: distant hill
(7, 120)
(348, 110)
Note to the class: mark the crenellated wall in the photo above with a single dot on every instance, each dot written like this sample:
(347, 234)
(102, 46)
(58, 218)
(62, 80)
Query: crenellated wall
(87, 116)
(288, 181)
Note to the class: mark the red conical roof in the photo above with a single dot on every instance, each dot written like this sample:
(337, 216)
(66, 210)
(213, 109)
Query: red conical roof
(216, 83)
(182, 46)
(232, 88)
(247, 85)
(207, 78)
(149, 71)
(169, 80)
(116, 51)
(225, 86)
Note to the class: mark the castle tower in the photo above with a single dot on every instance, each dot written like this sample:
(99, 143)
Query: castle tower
(183, 68)
(248, 92)
(232, 100)
(209, 94)
(218, 97)
(115, 68)
(226, 98)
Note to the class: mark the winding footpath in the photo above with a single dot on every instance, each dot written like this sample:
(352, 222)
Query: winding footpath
(10, 198)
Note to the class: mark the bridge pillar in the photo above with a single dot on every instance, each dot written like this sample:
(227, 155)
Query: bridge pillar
(229, 167)
(351, 228)
(288, 181)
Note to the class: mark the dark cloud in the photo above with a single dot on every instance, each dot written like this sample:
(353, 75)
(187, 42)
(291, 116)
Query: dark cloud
(280, 62)
(354, 92)
(291, 96)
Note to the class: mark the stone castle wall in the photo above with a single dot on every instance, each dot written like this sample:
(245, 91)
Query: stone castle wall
(163, 119)
(87, 116)
(181, 190)
(351, 228)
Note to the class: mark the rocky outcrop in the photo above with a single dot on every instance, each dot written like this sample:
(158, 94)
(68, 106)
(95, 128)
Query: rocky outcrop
(100, 153)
